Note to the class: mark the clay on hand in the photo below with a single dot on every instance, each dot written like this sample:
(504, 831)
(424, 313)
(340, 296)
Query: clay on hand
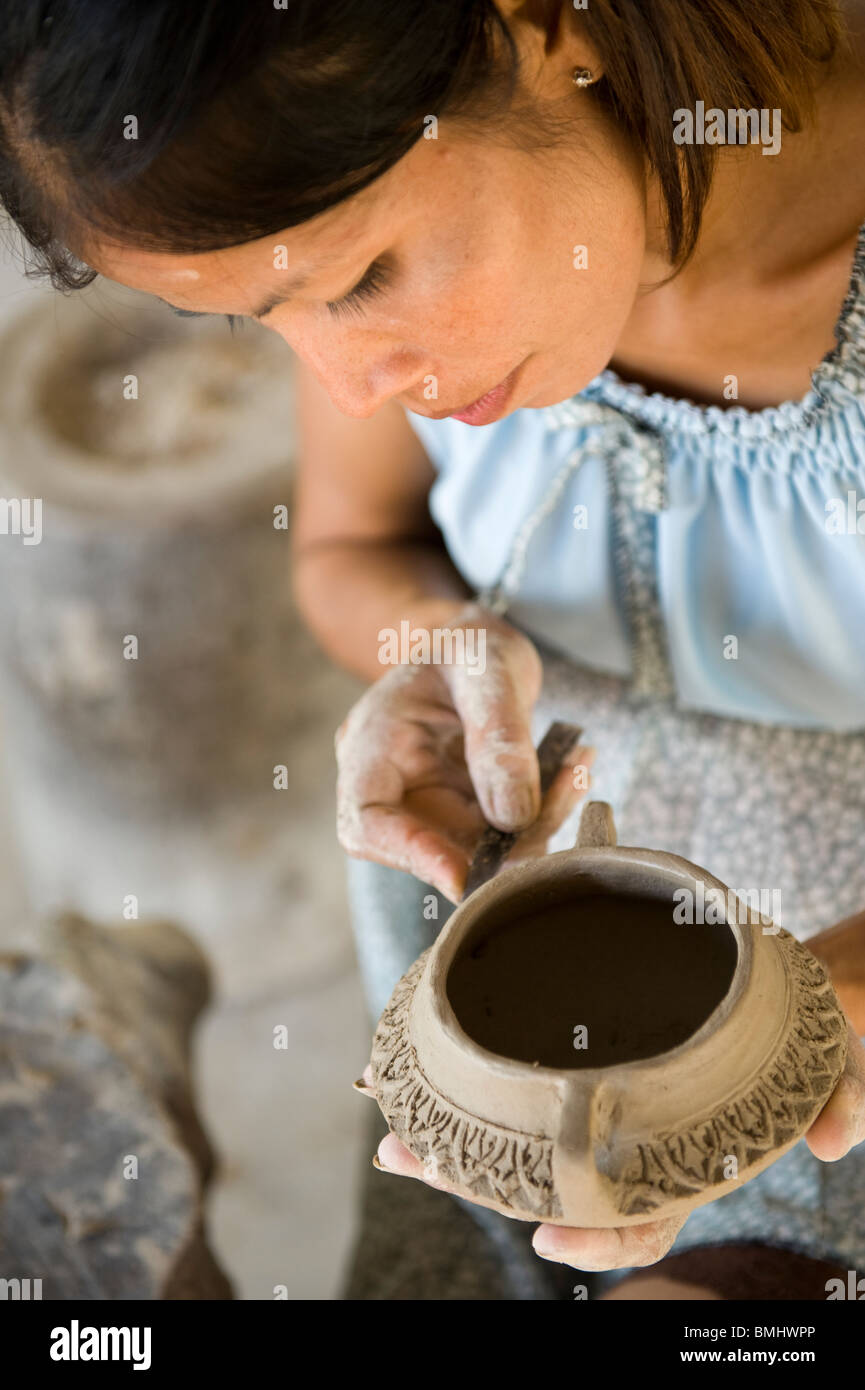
(432, 755)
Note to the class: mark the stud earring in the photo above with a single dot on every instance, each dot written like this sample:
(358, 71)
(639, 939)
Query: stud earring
(583, 77)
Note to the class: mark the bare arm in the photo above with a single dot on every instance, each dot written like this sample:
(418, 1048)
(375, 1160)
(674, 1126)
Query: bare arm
(366, 552)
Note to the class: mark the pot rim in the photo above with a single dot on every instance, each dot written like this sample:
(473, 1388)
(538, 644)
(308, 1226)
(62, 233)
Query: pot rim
(675, 868)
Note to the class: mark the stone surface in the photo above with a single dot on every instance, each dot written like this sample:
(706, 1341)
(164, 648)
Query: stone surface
(103, 1159)
(261, 885)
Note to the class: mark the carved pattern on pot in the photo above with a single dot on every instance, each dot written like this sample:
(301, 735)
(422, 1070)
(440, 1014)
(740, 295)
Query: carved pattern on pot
(487, 1160)
(515, 1170)
(787, 1098)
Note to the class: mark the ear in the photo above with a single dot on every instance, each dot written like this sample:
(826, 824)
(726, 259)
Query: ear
(544, 16)
(558, 25)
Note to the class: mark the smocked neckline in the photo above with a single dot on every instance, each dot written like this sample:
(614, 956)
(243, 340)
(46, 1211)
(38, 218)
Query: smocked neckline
(661, 410)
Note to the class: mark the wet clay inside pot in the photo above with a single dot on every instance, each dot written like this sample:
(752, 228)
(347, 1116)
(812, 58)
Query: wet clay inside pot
(528, 978)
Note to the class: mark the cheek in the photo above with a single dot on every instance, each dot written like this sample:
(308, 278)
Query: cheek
(474, 317)
(595, 294)
(465, 324)
(560, 287)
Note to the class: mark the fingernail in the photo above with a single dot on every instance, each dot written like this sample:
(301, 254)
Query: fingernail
(855, 1130)
(514, 806)
(853, 1125)
(585, 759)
(545, 1246)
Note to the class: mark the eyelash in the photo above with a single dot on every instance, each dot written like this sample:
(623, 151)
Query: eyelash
(231, 319)
(373, 283)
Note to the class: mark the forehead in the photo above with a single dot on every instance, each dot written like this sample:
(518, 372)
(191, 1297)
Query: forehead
(327, 240)
(228, 270)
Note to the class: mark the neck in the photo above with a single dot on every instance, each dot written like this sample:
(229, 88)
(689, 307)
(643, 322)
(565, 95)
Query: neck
(781, 212)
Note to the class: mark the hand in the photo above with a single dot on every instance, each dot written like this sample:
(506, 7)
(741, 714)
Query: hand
(431, 754)
(841, 1123)
(842, 950)
(617, 1248)
(837, 1129)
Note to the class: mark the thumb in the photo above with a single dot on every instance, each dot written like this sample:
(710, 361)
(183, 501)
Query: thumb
(495, 711)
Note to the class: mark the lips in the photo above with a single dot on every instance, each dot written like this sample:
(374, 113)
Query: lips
(488, 407)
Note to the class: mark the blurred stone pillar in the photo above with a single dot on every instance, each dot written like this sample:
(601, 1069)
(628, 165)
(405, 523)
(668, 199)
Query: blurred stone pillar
(151, 664)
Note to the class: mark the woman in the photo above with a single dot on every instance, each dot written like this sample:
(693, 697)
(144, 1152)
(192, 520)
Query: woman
(580, 291)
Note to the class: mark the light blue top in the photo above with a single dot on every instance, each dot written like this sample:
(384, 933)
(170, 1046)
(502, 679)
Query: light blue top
(759, 566)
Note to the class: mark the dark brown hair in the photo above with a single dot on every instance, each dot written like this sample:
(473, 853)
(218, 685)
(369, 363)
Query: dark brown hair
(251, 119)
(660, 56)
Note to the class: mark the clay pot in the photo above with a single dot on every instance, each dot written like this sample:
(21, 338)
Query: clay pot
(568, 1052)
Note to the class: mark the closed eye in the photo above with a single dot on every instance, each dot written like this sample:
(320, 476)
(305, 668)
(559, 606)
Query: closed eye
(197, 314)
(374, 282)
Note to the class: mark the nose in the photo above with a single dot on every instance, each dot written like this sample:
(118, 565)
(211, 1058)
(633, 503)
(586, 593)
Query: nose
(363, 376)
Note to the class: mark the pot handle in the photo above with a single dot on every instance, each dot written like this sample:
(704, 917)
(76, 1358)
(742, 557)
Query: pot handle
(597, 827)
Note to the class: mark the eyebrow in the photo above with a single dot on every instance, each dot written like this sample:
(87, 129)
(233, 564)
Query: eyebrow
(264, 308)
(290, 289)
(296, 283)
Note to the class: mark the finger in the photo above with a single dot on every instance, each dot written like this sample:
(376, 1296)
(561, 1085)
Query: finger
(841, 1123)
(372, 824)
(389, 835)
(618, 1248)
(364, 1085)
(499, 749)
(394, 1157)
(443, 808)
(570, 784)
